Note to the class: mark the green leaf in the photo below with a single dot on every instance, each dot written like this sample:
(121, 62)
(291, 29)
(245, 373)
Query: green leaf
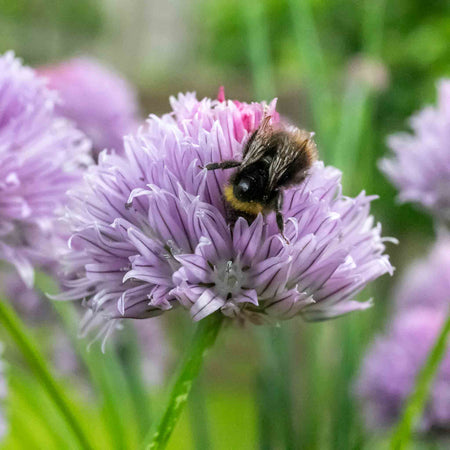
(37, 363)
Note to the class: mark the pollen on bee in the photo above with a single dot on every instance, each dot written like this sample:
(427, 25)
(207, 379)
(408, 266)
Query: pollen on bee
(246, 207)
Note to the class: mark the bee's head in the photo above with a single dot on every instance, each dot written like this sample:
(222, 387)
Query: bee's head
(243, 189)
(249, 187)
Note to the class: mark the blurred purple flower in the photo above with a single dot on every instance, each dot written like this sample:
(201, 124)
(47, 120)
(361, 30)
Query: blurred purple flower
(391, 366)
(155, 350)
(427, 282)
(34, 308)
(420, 167)
(26, 300)
(40, 158)
(151, 229)
(100, 102)
(63, 355)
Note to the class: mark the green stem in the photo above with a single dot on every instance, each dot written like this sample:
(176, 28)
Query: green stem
(198, 416)
(259, 49)
(373, 26)
(36, 361)
(416, 402)
(203, 339)
(197, 404)
(316, 72)
(352, 121)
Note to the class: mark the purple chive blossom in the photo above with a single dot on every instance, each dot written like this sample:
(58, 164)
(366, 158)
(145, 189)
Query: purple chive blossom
(391, 366)
(155, 350)
(427, 282)
(151, 229)
(101, 103)
(423, 300)
(63, 356)
(420, 167)
(27, 301)
(40, 158)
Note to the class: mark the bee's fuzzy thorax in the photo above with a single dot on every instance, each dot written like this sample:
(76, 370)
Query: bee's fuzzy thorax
(306, 142)
(253, 208)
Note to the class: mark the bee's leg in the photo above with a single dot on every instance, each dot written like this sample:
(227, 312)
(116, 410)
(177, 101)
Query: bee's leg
(229, 164)
(279, 216)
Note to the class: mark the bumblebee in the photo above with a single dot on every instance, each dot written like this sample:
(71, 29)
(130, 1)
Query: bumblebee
(274, 158)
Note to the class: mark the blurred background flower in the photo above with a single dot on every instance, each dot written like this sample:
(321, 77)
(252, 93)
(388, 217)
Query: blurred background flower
(156, 351)
(27, 301)
(392, 365)
(101, 103)
(420, 168)
(426, 283)
(390, 368)
(41, 156)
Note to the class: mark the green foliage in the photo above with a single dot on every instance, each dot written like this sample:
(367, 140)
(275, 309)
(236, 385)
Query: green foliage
(414, 48)
(75, 15)
(41, 30)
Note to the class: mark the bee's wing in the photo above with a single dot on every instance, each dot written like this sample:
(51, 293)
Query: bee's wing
(295, 154)
(257, 145)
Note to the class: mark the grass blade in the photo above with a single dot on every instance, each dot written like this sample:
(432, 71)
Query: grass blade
(131, 364)
(315, 70)
(107, 373)
(258, 49)
(352, 122)
(39, 366)
(373, 26)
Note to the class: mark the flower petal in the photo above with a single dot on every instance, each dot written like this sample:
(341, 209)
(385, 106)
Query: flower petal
(206, 304)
